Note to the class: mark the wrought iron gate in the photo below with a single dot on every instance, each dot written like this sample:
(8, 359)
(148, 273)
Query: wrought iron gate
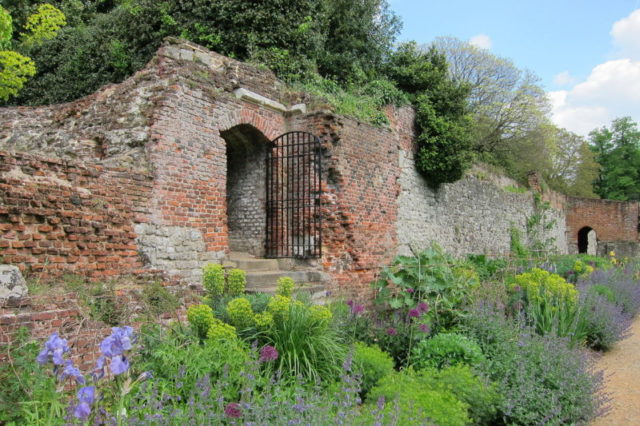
(294, 170)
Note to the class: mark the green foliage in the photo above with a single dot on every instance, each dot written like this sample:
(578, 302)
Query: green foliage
(308, 345)
(485, 267)
(213, 279)
(219, 331)
(372, 363)
(603, 291)
(158, 299)
(617, 150)
(285, 286)
(515, 189)
(446, 349)
(542, 379)
(539, 225)
(516, 245)
(200, 318)
(278, 306)
(44, 24)
(178, 361)
(240, 313)
(551, 303)
(263, 320)
(15, 70)
(431, 276)
(419, 401)
(6, 28)
(321, 313)
(236, 282)
(26, 388)
(565, 265)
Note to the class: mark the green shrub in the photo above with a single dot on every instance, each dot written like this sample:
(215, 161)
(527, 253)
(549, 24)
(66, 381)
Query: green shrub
(200, 318)
(240, 313)
(418, 399)
(372, 363)
(179, 361)
(213, 279)
(542, 379)
(551, 303)
(285, 286)
(236, 282)
(220, 331)
(443, 350)
(604, 291)
(320, 313)
(158, 299)
(263, 320)
(308, 346)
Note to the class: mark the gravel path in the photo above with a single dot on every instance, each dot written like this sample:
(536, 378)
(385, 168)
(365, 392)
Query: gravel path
(622, 380)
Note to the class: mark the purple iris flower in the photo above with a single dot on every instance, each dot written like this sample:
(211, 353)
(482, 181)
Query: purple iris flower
(119, 364)
(73, 372)
(54, 349)
(86, 397)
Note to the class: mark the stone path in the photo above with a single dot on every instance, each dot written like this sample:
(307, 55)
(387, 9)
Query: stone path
(622, 380)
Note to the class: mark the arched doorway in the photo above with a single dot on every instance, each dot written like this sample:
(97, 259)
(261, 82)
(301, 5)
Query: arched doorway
(587, 241)
(245, 190)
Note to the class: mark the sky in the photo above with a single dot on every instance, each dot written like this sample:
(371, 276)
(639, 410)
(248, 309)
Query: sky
(586, 52)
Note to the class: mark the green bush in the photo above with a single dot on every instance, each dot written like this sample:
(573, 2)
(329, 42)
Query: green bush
(240, 313)
(200, 318)
(443, 350)
(236, 282)
(158, 299)
(418, 401)
(213, 279)
(372, 363)
(604, 291)
(220, 331)
(285, 286)
(179, 361)
(308, 345)
(542, 379)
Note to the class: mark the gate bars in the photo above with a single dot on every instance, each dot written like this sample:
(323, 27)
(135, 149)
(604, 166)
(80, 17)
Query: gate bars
(294, 173)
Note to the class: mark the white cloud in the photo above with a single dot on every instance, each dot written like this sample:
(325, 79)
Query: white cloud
(626, 35)
(611, 90)
(482, 41)
(563, 79)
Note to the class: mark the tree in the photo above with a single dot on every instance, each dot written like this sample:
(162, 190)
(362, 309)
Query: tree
(15, 69)
(442, 122)
(617, 150)
(507, 103)
(574, 168)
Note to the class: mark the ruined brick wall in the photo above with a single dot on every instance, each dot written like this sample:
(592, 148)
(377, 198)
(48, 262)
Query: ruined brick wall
(615, 223)
(58, 217)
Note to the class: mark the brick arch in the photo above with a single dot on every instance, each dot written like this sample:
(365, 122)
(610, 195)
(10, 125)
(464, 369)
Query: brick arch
(270, 124)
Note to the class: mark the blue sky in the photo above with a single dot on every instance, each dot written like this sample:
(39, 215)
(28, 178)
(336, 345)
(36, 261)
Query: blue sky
(587, 53)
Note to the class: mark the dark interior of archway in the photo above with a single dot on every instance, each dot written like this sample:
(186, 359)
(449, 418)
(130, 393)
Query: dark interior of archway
(246, 176)
(583, 239)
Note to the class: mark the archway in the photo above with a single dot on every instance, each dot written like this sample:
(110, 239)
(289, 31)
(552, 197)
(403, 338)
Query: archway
(245, 190)
(587, 241)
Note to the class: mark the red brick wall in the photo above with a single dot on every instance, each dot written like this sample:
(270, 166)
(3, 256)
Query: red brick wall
(613, 221)
(58, 217)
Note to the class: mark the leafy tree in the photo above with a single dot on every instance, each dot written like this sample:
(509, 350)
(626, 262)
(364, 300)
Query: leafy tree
(44, 24)
(507, 103)
(617, 150)
(574, 168)
(442, 122)
(15, 69)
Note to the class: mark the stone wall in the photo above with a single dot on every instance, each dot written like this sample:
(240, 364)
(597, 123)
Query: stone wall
(473, 215)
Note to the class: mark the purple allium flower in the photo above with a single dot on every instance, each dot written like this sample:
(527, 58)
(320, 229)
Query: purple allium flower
(119, 364)
(54, 349)
(73, 372)
(233, 410)
(350, 303)
(415, 313)
(410, 290)
(392, 331)
(424, 328)
(423, 307)
(268, 353)
(86, 397)
(357, 309)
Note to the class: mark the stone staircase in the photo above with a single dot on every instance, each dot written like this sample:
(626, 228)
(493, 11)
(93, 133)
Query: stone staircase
(263, 274)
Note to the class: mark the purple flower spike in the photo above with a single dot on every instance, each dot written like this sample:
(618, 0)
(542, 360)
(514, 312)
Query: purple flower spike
(268, 353)
(54, 349)
(415, 313)
(119, 364)
(233, 410)
(423, 307)
(410, 290)
(392, 331)
(357, 309)
(86, 397)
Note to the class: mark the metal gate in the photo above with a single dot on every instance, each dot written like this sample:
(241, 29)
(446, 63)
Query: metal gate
(294, 168)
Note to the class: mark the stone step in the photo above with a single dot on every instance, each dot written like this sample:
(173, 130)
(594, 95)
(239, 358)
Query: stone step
(317, 290)
(270, 278)
(253, 265)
